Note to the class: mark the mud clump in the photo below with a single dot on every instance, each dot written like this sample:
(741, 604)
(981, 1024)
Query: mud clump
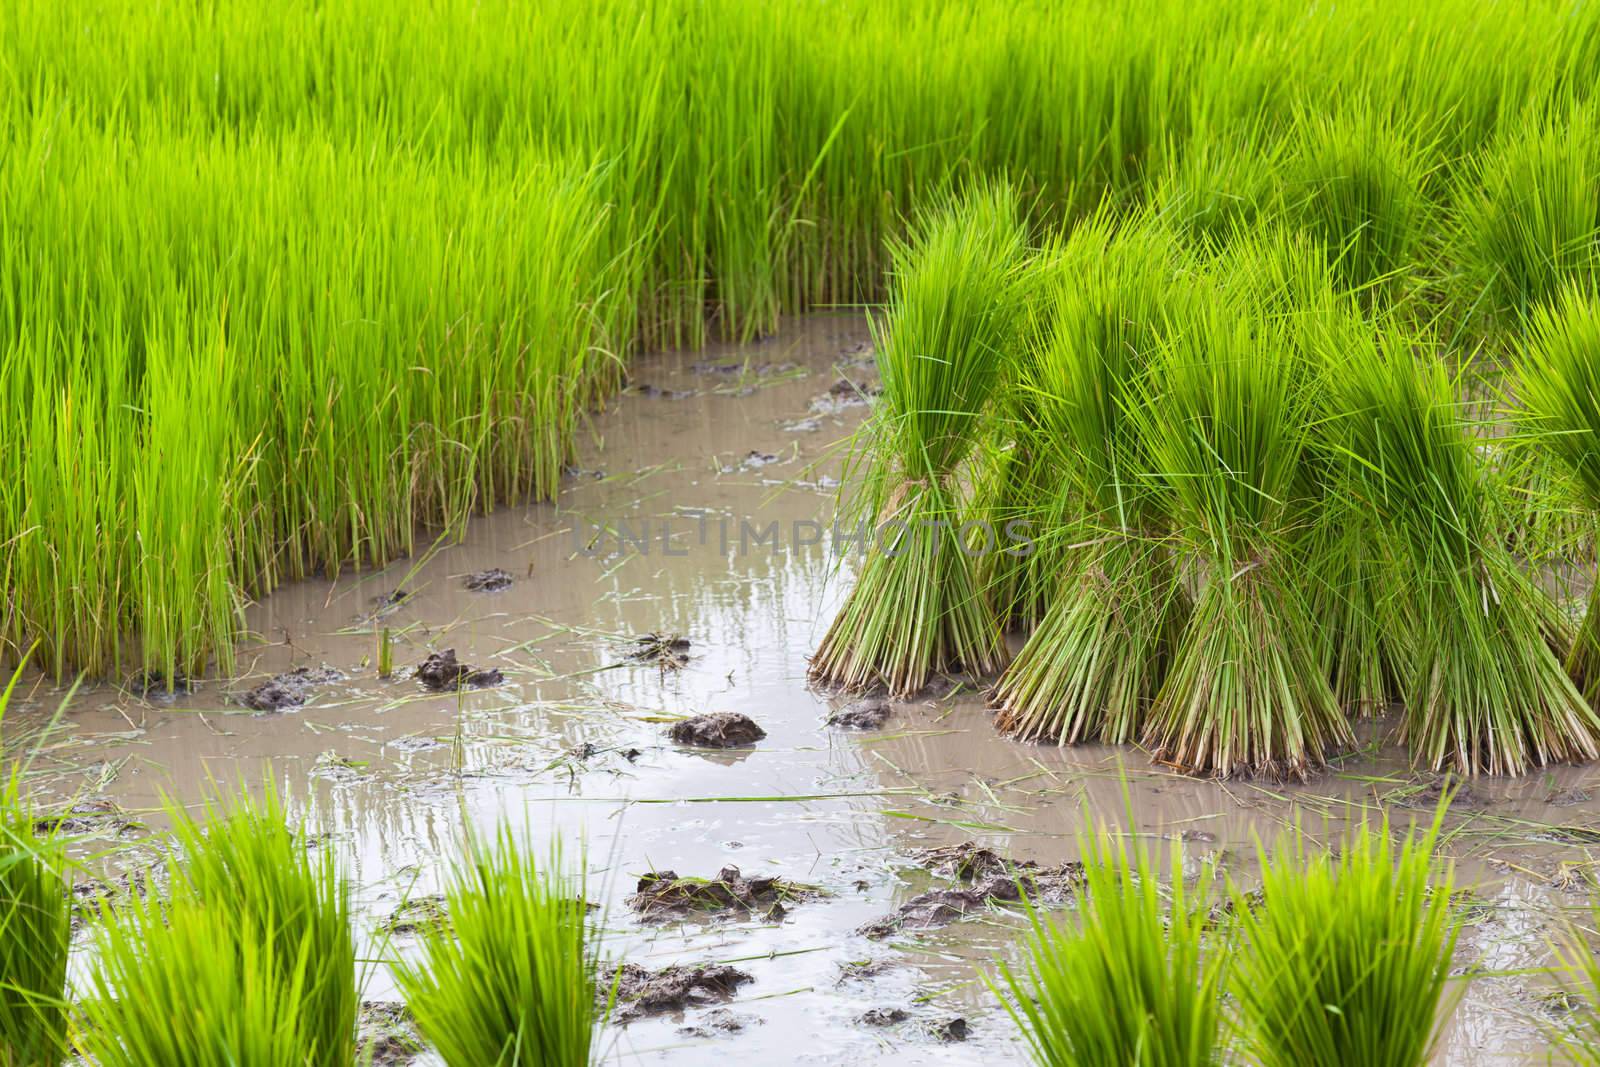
(883, 1016)
(641, 992)
(992, 879)
(717, 729)
(490, 581)
(417, 915)
(387, 1034)
(442, 672)
(289, 690)
(156, 686)
(949, 1030)
(868, 714)
(662, 895)
(715, 1023)
(667, 651)
(98, 817)
(655, 392)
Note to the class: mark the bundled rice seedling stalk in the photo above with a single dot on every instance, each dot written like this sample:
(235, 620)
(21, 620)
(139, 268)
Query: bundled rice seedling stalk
(1127, 980)
(1558, 388)
(1485, 691)
(1528, 219)
(917, 607)
(1094, 662)
(246, 861)
(1355, 184)
(1346, 958)
(1223, 418)
(511, 980)
(35, 927)
(174, 982)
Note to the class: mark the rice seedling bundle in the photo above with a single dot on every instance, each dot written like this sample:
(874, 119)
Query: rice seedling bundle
(173, 983)
(1345, 959)
(917, 607)
(1223, 417)
(1558, 388)
(511, 979)
(1529, 220)
(1127, 980)
(1097, 657)
(247, 958)
(35, 923)
(1485, 691)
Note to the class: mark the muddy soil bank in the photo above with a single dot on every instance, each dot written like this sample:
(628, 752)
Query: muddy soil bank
(686, 570)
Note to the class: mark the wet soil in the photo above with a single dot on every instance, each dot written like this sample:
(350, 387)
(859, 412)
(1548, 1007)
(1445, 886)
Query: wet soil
(641, 991)
(442, 672)
(717, 729)
(574, 743)
(288, 690)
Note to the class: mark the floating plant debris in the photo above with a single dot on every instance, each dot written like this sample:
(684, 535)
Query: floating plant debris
(490, 581)
(667, 651)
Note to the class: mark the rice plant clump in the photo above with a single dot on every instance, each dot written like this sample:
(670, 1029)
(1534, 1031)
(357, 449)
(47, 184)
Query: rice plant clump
(173, 982)
(1529, 220)
(1558, 386)
(1485, 691)
(248, 958)
(1092, 665)
(511, 979)
(35, 924)
(1346, 959)
(249, 863)
(1128, 980)
(1223, 418)
(917, 607)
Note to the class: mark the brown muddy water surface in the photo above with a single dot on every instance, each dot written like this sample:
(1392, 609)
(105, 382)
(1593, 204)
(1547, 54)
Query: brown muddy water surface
(574, 742)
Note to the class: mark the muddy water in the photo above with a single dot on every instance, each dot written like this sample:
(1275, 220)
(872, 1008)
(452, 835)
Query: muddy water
(573, 743)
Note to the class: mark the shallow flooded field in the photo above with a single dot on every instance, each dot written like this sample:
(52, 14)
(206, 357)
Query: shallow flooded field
(665, 532)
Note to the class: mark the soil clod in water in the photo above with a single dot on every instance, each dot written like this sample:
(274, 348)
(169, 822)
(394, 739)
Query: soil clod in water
(641, 992)
(662, 895)
(868, 714)
(717, 729)
(442, 672)
(490, 581)
(883, 1016)
(288, 690)
(994, 880)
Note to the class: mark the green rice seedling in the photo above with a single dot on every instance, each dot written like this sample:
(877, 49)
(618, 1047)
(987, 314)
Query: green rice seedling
(512, 979)
(35, 927)
(1578, 1036)
(1355, 184)
(1346, 958)
(1558, 387)
(1224, 418)
(916, 607)
(247, 863)
(1528, 222)
(174, 982)
(1127, 980)
(1485, 691)
(1220, 183)
(1097, 657)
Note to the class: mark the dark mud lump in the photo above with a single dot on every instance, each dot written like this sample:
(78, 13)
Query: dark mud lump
(717, 729)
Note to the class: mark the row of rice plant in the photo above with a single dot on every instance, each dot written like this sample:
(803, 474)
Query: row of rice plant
(248, 955)
(1265, 507)
(281, 280)
(1341, 959)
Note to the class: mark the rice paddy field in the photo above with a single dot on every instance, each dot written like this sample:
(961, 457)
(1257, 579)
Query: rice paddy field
(808, 532)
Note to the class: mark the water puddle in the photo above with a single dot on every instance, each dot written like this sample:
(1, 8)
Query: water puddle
(687, 569)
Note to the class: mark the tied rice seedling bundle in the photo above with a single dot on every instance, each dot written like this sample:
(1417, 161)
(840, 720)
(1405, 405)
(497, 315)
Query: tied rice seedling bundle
(1355, 185)
(1528, 221)
(1485, 691)
(1128, 980)
(1096, 659)
(248, 959)
(35, 928)
(1223, 418)
(250, 863)
(1558, 387)
(511, 979)
(1345, 959)
(917, 606)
